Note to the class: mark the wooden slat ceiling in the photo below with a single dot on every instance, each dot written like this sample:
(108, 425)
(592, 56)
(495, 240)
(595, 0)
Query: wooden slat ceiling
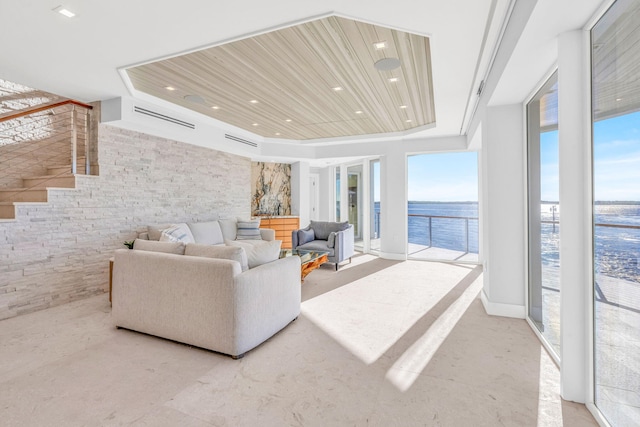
(291, 72)
(616, 61)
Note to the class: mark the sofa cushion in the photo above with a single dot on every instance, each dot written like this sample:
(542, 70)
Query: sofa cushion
(317, 245)
(305, 236)
(258, 254)
(156, 230)
(229, 228)
(248, 229)
(233, 253)
(206, 233)
(177, 233)
(153, 246)
(323, 228)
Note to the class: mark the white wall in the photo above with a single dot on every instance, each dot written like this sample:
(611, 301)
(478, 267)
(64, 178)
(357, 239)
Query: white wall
(575, 201)
(300, 191)
(503, 215)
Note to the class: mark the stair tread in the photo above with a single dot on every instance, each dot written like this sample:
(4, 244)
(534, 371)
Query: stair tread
(15, 189)
(66, 175)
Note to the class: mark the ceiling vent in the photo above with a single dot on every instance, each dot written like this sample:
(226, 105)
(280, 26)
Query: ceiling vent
(164, 117)
(243, 141)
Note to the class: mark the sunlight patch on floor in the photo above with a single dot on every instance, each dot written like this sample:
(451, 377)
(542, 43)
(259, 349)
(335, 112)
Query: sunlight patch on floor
(549, 401)
(410, 365)
(371, 314)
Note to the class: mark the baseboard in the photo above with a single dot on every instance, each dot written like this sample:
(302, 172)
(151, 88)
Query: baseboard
(504, 310)
(392, 256)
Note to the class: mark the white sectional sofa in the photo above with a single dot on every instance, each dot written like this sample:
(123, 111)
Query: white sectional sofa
(198, 294)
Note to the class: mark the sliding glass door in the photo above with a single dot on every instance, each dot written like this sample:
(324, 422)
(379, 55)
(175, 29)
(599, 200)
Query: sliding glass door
(544, 212)
(615, 50)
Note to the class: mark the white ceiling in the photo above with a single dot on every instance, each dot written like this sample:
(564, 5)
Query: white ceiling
(79, 58)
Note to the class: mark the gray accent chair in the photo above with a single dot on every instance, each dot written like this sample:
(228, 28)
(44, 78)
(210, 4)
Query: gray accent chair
(334, 237)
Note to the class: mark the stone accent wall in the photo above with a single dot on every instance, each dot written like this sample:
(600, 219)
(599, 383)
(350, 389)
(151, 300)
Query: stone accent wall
(59, 252)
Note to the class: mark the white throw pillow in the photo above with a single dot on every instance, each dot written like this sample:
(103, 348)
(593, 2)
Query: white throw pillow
(177, 233)
(155, 231)
(259, 254)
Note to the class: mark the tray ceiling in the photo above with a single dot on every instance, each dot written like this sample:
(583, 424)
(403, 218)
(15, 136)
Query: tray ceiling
(283, 84)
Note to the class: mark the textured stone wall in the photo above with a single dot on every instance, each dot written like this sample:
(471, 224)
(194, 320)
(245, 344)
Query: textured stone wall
(58, 252)
(270, 188)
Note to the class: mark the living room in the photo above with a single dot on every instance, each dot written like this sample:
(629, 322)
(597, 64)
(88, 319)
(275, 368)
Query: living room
(383, 340)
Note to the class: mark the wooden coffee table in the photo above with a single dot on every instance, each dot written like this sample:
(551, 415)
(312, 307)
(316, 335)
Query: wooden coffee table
(309, 260)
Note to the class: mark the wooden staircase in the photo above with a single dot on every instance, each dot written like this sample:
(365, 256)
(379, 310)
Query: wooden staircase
(35, 189)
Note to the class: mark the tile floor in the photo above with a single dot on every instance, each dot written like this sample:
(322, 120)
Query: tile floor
(379, 343)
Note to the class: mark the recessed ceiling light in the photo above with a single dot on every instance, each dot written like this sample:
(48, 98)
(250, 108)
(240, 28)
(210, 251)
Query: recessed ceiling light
(215, 107)
(277, 133)
(66, 12)
(288, 120)
(170, 88)
(403, 106)
(254, 124)
(337, 88)
(618, 99)
(254, 101)
(380, 45)
(358, 112)
(408, 120)
(393, 79)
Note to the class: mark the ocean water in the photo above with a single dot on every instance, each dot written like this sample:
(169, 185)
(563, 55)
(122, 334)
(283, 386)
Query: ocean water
(616, 249)
(447, 233)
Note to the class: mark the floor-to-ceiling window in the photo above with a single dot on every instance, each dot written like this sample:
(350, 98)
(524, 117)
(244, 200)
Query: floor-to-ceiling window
(615, 53)
(337, 193)
(374, 209)
(443, 206)
(354, 180)
(544, 212)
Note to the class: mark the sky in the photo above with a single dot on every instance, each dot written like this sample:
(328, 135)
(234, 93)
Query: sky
(451, 177)
(616, 154)
(443, 177)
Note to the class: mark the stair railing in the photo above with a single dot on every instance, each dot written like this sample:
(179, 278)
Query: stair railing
(42, 136)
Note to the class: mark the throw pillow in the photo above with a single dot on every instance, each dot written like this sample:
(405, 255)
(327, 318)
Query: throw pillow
(156, 230)
(207, 233)
(233, 253)
(259, 254)
(305, 236)
(153, 246)
(331, 241)
(177, 233)
(249, 230)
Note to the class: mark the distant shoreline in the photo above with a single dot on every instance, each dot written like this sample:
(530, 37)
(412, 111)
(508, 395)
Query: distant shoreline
(423, 202)
(603, 202)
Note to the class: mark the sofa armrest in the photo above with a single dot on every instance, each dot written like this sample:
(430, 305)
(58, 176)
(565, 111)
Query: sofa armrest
(294, 239)
(266, 299)
(268, 234)
(344, 244)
